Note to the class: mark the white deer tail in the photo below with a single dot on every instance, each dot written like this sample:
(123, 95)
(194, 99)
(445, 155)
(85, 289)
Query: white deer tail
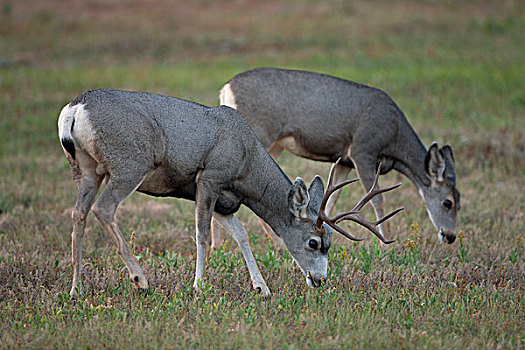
(66, 122)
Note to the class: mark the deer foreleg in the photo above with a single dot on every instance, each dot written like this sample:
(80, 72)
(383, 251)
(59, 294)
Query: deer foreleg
(232, 224)
(217, 235)
(204, 203)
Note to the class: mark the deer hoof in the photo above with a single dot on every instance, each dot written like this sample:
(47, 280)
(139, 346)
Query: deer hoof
(263, 290)
(140, 282)
(75, 292)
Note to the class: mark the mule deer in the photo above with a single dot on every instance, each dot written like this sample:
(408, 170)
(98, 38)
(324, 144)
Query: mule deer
(323, 118)
(164, 146)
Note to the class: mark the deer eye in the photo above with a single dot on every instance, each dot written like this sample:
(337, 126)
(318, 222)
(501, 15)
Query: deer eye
(313, 244)
(447, 203)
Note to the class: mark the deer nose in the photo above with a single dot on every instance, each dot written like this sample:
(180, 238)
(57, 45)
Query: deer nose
(314, 279)
(448, 236)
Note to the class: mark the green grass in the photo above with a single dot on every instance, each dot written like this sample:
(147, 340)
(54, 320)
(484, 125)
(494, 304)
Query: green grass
(456, 70)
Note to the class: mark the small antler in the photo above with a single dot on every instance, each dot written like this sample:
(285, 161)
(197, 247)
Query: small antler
(353, 215)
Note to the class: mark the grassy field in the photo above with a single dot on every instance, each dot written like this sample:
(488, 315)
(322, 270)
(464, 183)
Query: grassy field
(455, 68)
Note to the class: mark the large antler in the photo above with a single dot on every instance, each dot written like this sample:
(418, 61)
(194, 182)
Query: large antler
(353, 215)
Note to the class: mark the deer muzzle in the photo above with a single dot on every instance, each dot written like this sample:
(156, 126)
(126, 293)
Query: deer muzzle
(313, 280)
(447, 235)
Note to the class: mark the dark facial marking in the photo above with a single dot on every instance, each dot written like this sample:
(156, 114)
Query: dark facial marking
(325, 246)
(456, 195)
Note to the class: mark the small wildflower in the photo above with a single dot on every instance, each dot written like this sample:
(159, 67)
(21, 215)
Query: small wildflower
(411, 244)
(415, 230)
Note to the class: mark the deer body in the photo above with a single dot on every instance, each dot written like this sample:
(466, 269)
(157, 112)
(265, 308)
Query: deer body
(324, 118)
(164, 146)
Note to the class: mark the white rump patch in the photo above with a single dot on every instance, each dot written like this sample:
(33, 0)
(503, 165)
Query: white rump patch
(227, 97)
(83, 133)
(67, 115)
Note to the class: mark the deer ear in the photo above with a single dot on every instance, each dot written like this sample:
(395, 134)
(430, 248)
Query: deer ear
(450, 171)
(435, 163)
(316, 192)
(447, 152)
(298, 199)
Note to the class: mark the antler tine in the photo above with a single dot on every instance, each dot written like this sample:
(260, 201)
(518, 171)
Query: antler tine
(374, 191)
(353, 214)
(371, 225)
(342, 184)
(388, 216)
(332, 170)
(343, 232)
(330, 189)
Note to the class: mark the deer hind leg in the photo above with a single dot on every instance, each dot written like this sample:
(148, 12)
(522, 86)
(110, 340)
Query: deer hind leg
(87, 187)
(340, 174)
(235, 228)
(366, 169)
(116, 191)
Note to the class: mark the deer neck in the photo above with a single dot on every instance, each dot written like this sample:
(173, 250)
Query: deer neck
(410, 159)
(266, 194)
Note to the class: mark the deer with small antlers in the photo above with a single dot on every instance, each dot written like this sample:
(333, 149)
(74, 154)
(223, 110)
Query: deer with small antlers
(324, 118)
(167, 147)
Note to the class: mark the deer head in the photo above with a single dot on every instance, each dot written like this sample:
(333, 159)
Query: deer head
(442, 196)
(310, 243)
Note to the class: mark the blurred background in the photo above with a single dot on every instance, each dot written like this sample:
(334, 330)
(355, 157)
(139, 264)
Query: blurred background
(192, 45)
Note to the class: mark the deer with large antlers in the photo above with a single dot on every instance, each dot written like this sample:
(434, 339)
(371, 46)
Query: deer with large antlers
(168, 147)
(323, 118)
(353, 214)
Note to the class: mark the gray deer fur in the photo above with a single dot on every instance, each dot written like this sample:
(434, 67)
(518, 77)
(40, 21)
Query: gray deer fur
(164, 146)
(322, 118)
